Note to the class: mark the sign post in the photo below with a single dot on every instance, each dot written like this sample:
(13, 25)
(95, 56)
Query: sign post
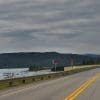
(55, 66)
(55, 62)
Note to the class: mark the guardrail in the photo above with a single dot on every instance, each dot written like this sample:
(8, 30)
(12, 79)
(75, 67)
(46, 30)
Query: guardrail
(25, 80)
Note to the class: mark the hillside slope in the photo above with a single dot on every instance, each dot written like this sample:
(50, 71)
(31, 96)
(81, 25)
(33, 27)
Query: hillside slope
(20, 60)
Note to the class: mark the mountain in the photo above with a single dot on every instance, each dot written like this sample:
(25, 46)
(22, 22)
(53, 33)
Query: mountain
(22, 60)
(93, 55)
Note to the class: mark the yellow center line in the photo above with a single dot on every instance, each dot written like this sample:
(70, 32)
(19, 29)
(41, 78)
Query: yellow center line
(75, 93)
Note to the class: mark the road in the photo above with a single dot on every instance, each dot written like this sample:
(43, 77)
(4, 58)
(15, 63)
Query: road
(80, 86)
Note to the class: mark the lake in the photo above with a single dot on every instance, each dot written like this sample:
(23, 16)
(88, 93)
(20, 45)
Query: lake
(20, 72)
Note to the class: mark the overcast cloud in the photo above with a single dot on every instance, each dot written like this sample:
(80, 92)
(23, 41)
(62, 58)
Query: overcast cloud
(67, 26)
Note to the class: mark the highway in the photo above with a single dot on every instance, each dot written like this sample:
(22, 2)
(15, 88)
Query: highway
(80, 86)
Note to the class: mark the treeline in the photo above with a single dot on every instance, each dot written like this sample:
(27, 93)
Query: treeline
(91, 61)
(40, 60)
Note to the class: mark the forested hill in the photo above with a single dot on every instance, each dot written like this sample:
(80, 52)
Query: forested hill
(21, 60)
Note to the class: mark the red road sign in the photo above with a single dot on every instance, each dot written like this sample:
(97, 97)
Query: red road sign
(55, 61)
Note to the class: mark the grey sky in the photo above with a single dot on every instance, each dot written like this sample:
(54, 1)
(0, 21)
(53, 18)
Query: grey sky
(67, 26)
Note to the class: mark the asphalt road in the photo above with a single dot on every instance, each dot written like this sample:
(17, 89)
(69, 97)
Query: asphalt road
(80, 86)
